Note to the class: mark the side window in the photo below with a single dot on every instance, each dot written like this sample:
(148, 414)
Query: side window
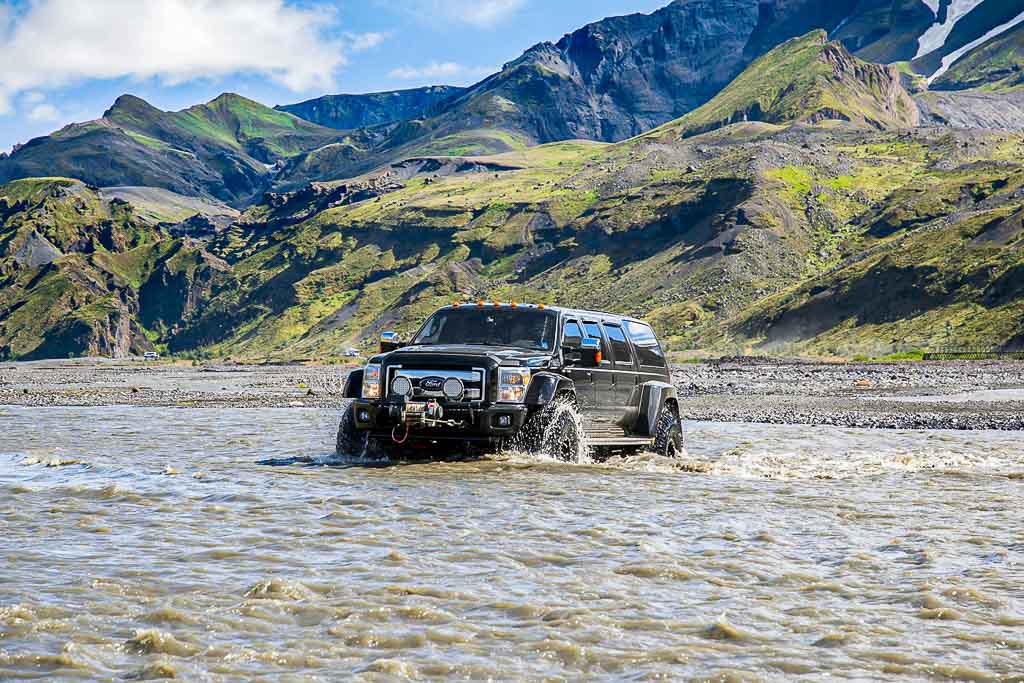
(620, 347)
(572, 334)
(648, 350)
(594, 332)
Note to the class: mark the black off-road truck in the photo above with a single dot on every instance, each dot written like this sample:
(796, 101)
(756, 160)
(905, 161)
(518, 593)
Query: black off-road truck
(480, 377)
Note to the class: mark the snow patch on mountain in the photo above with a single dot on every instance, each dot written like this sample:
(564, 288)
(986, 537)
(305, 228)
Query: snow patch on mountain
(933, 5)
(951, 58)
(937, 34)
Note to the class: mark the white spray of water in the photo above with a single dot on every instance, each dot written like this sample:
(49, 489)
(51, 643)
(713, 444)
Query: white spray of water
(524, 446)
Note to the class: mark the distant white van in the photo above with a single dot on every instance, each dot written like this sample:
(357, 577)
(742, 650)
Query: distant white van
(151, 355)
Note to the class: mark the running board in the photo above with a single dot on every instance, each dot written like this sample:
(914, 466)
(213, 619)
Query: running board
(620, 441)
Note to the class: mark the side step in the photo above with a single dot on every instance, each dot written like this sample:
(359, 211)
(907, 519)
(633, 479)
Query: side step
(607, 434)
(619, 442)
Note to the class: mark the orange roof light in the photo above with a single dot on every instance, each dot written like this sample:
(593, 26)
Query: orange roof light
(480, 304)
(513, 304)
(540, 306)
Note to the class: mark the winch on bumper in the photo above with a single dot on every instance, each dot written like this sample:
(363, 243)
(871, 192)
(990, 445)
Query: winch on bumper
(433, 420)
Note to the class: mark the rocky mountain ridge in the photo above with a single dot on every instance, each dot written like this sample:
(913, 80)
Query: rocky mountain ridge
(812, 201)
(348, 112)
(754, 232)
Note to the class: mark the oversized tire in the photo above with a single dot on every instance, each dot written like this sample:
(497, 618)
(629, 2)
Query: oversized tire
(355, 443)
(668, 434)
(561, 436)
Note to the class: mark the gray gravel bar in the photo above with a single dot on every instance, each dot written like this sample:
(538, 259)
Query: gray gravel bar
(904, 395)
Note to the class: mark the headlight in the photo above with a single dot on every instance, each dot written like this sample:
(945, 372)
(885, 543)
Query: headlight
(371, 381)
(512, 384)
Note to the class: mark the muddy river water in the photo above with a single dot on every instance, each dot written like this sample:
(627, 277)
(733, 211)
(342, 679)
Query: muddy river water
(141, 543)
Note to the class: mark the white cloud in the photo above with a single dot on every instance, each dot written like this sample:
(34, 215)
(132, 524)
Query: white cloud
(448, 71)
(44, 112)
(481, 13)
(57, 42)
(361, 42)
(33, 97)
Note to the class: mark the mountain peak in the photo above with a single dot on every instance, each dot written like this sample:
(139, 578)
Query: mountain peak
(128, 104)
(230, 100)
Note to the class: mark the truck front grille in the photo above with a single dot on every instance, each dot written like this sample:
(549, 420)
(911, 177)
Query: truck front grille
(427, 383)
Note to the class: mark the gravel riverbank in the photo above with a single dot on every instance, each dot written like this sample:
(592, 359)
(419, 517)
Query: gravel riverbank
(915, 395)
(905, 395)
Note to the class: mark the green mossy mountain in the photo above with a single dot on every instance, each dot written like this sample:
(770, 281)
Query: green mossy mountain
(719, 238)
(808, 79)
(84, 275)
(806, 206)
(223, 149)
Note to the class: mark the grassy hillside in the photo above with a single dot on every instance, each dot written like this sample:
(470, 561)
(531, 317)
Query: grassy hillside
(82, 274)
(824, 224)
(807, 79)
(719, 239)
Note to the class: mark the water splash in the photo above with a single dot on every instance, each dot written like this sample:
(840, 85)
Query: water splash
(548, 440)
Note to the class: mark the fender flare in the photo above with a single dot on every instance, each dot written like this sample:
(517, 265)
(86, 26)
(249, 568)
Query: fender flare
(545, 386)
(354, 384)
(653, 396)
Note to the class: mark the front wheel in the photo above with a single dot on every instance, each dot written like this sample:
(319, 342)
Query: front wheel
(353, 442)
(562, 438)
(668, 435)
(552, 431)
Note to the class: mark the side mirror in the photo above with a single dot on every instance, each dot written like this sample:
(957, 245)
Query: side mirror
(586, 352)
(590, 352)
(390, 341)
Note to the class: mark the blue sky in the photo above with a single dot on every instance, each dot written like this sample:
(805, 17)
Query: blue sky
(67, 60)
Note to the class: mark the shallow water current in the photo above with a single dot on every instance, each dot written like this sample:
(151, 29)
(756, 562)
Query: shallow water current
(147, 543)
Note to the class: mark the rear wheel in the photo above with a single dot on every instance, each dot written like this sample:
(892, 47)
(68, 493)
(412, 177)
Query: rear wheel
(668, 434)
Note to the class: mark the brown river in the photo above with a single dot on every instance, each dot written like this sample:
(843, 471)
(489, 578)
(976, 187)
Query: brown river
(147, 543)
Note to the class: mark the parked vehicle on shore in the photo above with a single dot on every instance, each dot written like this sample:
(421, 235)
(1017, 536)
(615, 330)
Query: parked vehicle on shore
(151, 355)
(480, 377)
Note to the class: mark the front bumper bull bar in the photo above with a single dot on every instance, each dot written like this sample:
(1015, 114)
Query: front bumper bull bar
(478, 421)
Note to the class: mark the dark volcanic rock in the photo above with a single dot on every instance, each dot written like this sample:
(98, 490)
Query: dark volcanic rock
(621, 76)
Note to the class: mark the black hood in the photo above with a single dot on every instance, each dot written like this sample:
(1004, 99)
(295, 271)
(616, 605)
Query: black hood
(463, 354)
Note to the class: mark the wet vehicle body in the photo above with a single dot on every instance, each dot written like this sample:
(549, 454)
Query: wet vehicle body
(480, 377)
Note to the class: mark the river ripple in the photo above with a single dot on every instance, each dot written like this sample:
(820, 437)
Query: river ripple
(146, 543)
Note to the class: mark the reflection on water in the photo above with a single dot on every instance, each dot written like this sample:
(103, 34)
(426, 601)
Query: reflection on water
(142, 544)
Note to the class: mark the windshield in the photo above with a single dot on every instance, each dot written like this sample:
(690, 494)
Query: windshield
(528, 329)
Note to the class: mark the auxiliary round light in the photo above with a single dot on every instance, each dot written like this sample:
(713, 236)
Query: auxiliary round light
(401, 386)
(453, 388)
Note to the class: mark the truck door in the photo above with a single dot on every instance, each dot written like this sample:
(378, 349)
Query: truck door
(582, 377)
(624, 375)
(604, 387)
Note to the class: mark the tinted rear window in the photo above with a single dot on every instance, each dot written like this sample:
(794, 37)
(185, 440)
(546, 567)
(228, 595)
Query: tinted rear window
(620, 347)
(647, 348)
